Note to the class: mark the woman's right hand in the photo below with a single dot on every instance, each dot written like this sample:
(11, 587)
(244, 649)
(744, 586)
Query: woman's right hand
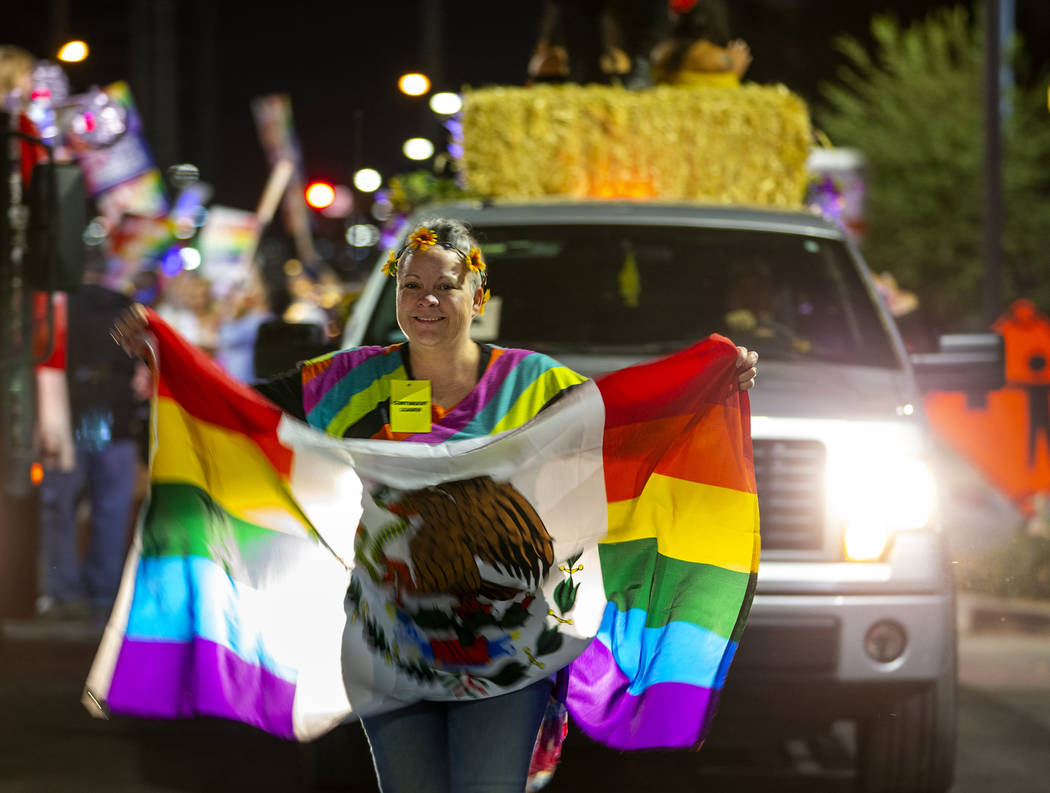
(130, 331)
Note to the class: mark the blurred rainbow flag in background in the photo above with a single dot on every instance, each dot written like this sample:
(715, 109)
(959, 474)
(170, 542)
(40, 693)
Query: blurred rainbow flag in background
(235, 597)
(227, 243)
(138, 239)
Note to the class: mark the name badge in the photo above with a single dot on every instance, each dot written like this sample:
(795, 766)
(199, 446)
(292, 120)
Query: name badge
(410, 405)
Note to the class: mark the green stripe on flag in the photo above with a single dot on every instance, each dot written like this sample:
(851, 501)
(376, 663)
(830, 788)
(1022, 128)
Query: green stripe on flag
(183, 520)
(705, 595)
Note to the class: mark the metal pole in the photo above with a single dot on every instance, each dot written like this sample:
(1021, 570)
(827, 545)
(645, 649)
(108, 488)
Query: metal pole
(432, 41)
(1007, 27)
(206, 124)
(59, 26)
(18, 499)
(993, 187)
(432, 58)
(165, 83)
(154, 79)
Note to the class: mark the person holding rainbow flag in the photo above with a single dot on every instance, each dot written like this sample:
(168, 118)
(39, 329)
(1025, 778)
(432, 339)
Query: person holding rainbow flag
(455, 542)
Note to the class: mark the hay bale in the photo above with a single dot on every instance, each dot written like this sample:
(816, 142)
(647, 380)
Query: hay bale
(735, 145)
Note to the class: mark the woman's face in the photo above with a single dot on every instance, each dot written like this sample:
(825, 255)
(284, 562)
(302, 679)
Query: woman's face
(435, 302)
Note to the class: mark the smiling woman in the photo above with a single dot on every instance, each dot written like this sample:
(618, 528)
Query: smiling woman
(439, 386)
(441, 283)
(459, 570)
(436, 301)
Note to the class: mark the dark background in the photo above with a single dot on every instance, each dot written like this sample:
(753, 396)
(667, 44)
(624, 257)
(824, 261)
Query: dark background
(341, 60)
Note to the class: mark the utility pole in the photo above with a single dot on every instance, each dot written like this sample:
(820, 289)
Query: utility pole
(18, 498)
(58, 27)
(432, 61)
(154, 75)
(993, 155)
(205, 89)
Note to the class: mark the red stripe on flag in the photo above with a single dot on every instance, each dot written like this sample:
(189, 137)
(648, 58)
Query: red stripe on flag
(673, 386)
(682, 416)
(703, 448)
(210, 394)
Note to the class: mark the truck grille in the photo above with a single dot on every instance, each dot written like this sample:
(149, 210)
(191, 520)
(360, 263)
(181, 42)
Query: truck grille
(790, 478)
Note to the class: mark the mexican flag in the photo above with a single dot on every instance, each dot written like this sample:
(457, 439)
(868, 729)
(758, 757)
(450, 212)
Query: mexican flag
(292, 580)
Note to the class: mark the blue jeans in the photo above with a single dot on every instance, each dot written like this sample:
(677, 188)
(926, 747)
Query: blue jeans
(110, 475)
(475, 746)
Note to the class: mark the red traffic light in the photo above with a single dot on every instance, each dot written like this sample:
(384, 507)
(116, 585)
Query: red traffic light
(320, 194)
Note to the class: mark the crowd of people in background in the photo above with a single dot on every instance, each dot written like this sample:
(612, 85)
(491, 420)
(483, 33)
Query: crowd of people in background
(90, 492)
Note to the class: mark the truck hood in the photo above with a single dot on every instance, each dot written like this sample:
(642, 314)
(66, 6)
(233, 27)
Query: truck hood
(802, 389)
(831, 391)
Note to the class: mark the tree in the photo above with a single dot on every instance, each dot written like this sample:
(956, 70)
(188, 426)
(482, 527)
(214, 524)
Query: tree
(915, 109)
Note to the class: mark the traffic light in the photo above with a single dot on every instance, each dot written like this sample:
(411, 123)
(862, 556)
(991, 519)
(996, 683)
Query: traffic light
(320, 195)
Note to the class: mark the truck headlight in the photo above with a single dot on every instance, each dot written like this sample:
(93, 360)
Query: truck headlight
(878, 496)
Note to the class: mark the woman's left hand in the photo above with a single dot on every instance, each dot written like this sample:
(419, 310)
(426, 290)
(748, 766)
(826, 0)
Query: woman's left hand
(746, 368)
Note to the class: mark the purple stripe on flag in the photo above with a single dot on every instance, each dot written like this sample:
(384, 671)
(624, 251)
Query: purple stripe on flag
(341, 363)
(152, 680)
(488, 388)
(665, 715)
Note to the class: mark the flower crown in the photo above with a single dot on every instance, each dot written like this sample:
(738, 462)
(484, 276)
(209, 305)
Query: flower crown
(424, 237)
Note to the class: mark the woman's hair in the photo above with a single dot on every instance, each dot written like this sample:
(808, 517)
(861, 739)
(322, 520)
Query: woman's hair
(455, 236)
(707, 20)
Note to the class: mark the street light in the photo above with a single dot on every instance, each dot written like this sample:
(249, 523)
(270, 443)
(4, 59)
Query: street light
(191, 258)
(414, 84)
(362, 235)
(73, 52)
(320, 195)
(418, 148)
(446, 103)
(367, 180)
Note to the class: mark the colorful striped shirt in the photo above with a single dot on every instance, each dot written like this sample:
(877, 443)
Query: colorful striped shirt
(347, 393)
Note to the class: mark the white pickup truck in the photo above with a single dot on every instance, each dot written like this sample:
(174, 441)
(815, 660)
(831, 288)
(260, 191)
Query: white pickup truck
(854, 613)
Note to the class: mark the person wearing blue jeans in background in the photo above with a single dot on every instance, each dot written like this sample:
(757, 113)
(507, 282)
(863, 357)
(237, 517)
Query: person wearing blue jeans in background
(103, 392)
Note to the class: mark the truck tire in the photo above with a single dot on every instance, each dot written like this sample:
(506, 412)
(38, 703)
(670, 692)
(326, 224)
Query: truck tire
(910, 746)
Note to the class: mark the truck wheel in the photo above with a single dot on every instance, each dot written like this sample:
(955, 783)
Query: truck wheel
(910, 746)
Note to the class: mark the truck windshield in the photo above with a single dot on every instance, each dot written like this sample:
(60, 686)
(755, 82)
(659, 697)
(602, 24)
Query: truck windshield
(645, 289)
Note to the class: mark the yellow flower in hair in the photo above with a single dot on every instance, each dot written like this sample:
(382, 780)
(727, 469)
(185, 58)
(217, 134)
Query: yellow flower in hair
(484, 299)
(390, 267)
(474, 260)
(422, 238)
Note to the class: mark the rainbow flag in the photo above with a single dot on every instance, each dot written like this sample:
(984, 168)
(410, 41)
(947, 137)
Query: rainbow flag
(681, 556)
(138, 239)
(290, 580)
(231, 600)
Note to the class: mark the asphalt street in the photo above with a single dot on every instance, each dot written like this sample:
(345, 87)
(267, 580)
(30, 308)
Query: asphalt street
(49, 743)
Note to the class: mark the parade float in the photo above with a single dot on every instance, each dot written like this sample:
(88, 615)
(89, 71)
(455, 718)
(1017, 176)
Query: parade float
(744, 145)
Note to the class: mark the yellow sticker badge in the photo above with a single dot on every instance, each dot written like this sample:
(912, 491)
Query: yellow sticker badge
(410, 405)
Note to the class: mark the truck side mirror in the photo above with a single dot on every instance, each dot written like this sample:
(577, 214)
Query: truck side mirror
(970, 362)
(57, 204)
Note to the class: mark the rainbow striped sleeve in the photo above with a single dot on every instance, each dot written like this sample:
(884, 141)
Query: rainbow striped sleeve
(342, 388)
(224, 580)
(679, 562)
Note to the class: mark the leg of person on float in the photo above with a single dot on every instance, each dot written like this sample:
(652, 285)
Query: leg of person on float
(491, 740)
(580, 21)
(111, 480)
(410, 748)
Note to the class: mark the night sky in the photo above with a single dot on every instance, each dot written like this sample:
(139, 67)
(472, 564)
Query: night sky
(341, 60)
